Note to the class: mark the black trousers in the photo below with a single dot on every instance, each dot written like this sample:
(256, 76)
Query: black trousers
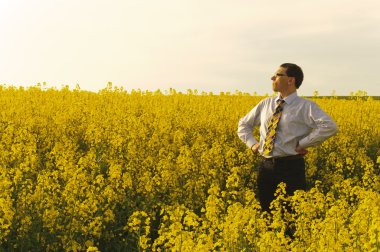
(274, 171)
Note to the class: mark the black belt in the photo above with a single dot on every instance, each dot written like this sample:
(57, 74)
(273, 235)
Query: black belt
(273, 159)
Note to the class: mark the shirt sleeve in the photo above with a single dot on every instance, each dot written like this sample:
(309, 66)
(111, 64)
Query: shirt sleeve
(247, 123)
(322, 124)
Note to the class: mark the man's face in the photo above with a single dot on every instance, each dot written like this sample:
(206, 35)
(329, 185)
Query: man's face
(280, 80)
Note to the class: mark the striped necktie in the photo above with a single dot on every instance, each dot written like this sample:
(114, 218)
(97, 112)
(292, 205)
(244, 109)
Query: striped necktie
(271, 131)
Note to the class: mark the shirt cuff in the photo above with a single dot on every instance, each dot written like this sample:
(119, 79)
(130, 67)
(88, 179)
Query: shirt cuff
(251, 143)
(302, 143)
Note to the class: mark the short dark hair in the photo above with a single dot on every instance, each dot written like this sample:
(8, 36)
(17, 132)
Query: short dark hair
(292, 70)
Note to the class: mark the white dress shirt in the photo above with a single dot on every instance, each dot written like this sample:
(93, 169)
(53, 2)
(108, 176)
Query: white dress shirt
(302, 121)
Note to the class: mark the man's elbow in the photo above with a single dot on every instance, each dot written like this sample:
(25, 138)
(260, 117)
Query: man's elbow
(334, 129)
(241, 126)
(242, 129)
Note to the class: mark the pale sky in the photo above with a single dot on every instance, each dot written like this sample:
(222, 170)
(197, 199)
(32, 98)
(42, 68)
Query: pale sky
(209, 45)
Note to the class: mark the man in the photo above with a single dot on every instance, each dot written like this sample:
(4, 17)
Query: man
(289, 125)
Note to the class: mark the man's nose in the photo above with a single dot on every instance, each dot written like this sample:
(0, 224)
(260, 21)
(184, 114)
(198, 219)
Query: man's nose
(272, 78)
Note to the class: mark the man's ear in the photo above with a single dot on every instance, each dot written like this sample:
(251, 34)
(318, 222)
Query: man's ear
(291, 80)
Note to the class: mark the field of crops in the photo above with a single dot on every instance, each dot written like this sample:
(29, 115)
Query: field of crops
(144, 171)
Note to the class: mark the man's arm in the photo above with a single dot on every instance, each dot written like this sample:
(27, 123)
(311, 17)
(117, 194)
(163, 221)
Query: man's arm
(322, 124)
(246, 125)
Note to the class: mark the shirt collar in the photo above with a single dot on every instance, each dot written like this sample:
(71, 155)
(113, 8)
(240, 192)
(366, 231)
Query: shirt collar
(289, 99)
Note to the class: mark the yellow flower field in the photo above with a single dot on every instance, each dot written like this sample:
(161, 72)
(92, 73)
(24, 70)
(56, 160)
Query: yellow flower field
(147, 171)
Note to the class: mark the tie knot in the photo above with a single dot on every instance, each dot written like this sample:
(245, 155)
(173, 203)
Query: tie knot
(279, 105)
